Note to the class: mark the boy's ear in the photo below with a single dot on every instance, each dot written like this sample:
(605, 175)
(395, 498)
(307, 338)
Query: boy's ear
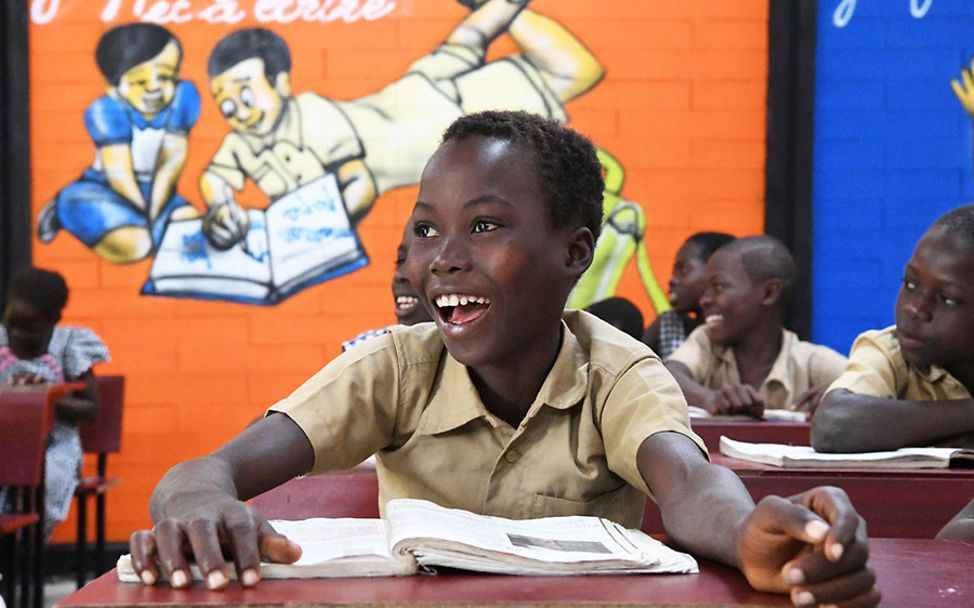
(771, 292)
(282, 82)
(581, 248)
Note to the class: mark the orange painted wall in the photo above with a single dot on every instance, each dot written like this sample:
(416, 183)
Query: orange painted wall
(682, 107)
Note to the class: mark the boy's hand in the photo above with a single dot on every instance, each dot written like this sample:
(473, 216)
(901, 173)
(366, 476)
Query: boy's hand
(225, 225)
(812, 545)
(210, 530)
(735, 400)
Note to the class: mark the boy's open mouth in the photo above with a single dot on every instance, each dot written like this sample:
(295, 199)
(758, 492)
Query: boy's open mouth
(405, 303)
(714, 320)
(459, 309)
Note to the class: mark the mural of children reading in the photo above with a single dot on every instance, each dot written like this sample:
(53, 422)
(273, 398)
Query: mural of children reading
(325, 161)
(120, 205)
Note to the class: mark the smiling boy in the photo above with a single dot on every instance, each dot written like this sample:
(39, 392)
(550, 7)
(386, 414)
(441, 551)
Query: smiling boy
(911, 384)
(743, 360)
(507, 405)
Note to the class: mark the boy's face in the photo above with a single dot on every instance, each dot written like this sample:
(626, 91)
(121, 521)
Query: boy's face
(935, 306)
(248, 101)
(484, 256)
(28, 331)
(150, 86)
(731, 302)
(409, 310)
(688, 280)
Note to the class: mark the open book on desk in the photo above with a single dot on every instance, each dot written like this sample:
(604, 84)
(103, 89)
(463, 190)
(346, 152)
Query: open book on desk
(796, 456)
(420, 534)
(771, 415)
(300, 240)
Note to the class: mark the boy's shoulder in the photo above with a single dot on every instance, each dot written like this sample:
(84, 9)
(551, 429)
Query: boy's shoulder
(883, 340)
(604, 346)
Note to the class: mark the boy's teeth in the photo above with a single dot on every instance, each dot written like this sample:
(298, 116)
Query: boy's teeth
(711, 319)
(454, 299)
(406, 300)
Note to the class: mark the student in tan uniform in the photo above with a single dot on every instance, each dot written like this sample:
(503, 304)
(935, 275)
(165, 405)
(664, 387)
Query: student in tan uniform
(507, 405)
(910, 384)
(742, 360)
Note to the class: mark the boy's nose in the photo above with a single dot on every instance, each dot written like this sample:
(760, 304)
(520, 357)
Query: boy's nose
(451, 257)
(920, 307)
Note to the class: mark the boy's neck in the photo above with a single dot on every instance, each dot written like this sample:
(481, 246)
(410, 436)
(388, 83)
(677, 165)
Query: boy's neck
(757, 352)
(508, 388)
(964, 373)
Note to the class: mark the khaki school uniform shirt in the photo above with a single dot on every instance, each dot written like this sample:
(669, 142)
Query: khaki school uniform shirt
(403, 397)
(877, 368)
(798, 367)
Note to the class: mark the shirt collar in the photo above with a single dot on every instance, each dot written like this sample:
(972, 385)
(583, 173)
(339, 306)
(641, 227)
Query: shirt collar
(455, 400)
(288, 129)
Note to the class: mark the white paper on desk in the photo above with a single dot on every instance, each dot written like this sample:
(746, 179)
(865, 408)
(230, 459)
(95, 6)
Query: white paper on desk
(775, 415)
(799, 456)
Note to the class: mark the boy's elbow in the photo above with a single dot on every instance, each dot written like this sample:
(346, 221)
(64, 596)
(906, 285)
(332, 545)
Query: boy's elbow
(833, 429)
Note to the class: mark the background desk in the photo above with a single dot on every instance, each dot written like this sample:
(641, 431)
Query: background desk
(754, 431)
(912, 574)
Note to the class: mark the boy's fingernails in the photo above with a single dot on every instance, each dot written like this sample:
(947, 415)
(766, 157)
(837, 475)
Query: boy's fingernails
(816, 529)
(179, 579)
(795, 576)
(148, 578)
(802, 598)
(837, 550)
(249, 578)
(216, 580)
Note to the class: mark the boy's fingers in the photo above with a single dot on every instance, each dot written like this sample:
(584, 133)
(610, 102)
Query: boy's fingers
(276, 547)
(169, 537)
(244, 542)
(205, 542)
(834, 506)
(778, 515)
(852, 589)
(142, 545)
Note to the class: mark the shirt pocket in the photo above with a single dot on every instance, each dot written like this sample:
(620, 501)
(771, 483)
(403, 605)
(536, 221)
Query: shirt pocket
(617, 505)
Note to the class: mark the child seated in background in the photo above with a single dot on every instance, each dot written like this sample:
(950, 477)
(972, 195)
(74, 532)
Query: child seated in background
(911, 384)
(619, 313)
(742, 360)
(507, 405)
(687, 283)
(409, 310)
(35, 350)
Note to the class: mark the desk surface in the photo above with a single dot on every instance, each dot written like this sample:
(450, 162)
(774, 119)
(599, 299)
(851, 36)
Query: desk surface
(754, 431)
(912, 573)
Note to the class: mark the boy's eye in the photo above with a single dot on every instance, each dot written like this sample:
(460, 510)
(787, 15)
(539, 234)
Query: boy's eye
(228, 108)
(946, 299)
(909, 284)
(247, 97)
(425, 231)
(484, 226)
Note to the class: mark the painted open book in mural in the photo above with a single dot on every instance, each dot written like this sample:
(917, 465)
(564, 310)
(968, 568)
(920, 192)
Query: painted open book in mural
(301, 239)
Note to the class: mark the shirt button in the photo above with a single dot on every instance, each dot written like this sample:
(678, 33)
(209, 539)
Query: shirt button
(511, 456)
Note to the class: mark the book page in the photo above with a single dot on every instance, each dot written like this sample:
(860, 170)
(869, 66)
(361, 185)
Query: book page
(329, 548)
(309, 234)
(804, 456)
(777, 415)
(186, 264)
(451, 537)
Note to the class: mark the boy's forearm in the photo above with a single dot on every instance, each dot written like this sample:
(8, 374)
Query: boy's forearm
(484, 24)
(851, 422)
(172, 157)
(702, 505)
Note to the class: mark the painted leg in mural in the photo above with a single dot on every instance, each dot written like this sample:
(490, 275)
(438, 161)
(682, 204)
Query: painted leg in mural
(568, 68)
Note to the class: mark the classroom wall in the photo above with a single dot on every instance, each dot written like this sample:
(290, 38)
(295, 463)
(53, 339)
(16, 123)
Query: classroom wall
(681, 107)
(892, 150)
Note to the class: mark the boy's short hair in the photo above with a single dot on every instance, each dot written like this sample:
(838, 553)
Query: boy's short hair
(765, 257)
(571, 174)
(620, 313)
(125, 46)
(958, 223)
(44, 290)
(709, 242)
(250, 43)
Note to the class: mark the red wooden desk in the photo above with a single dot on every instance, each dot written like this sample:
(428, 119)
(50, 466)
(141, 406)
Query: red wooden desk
(754, 431)
(911, 574)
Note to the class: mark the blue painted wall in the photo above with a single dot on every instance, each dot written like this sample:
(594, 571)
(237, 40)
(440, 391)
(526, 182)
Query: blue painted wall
(892, 150)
